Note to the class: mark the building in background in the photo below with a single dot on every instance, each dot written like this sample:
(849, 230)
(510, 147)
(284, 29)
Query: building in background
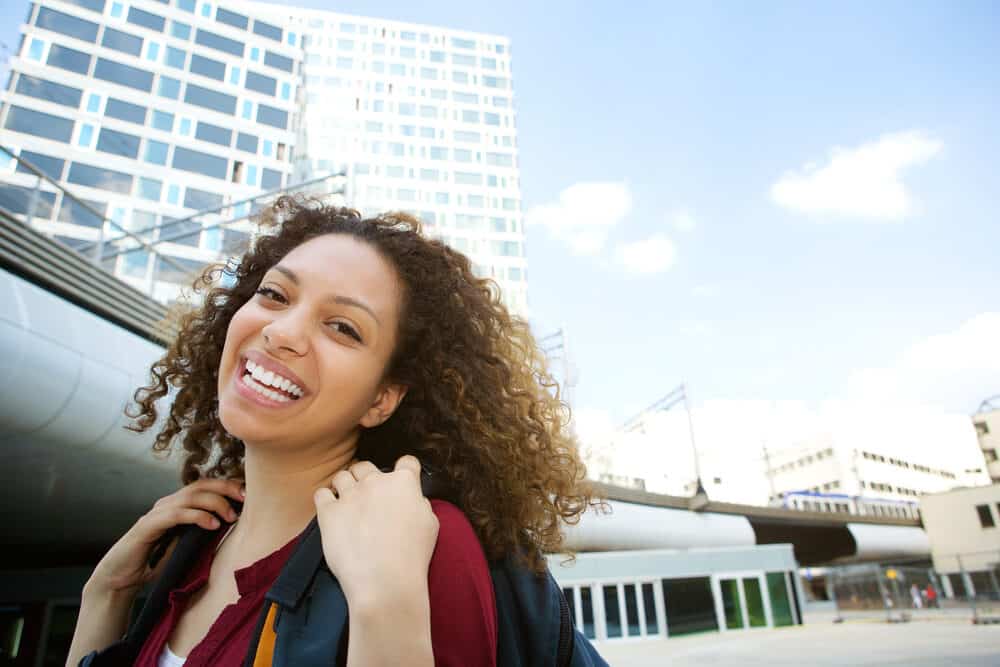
(422, 118)
(152, 111)
(987, 424)
(149, 112)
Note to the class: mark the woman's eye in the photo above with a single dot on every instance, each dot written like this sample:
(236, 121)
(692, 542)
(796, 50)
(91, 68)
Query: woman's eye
(346, 329)
(271, 294)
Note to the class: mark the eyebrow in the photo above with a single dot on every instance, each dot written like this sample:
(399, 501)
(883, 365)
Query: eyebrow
(345, 300)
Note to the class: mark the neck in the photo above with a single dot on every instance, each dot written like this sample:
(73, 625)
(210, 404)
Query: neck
(279, 493)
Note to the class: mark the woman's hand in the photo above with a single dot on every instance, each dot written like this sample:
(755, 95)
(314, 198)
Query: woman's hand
(378, 533)
(124, 569)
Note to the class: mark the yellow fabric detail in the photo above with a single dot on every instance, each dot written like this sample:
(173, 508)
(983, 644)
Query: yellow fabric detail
(265, 647)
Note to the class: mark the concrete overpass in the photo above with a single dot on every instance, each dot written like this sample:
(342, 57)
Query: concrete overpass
(76, 343)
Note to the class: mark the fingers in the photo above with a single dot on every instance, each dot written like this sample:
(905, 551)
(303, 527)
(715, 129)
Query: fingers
(362, 469)
(162, 520)
(212, 502)
(409, 462)
(232, 488)
(343, 482)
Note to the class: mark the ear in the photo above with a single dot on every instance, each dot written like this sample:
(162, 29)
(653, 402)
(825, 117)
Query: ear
(386, 401)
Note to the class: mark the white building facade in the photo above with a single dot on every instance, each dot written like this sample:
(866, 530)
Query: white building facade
(149, 112)
(987, 424)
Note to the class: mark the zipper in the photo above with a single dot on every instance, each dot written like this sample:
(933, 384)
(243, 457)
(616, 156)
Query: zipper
(565, 652)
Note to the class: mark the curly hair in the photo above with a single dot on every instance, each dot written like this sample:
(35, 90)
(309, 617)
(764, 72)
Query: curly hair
(481, 407)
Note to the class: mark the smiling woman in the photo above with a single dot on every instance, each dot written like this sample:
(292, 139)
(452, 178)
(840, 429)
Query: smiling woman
(344, 347)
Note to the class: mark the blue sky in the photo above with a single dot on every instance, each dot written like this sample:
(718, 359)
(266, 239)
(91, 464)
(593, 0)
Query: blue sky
(870, 276)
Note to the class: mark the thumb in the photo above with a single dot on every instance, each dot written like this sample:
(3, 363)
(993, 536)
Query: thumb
(323, 498)
(409, 462)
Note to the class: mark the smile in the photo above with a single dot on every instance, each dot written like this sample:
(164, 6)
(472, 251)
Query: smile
(269, 384)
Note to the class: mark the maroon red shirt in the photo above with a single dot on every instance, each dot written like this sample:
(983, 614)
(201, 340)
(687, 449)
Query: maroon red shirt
(463, 609)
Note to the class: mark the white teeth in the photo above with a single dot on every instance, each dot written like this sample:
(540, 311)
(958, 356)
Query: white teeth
(273, 395)
(265, 377)
(285, 384)
(251, 366)
(258, 374)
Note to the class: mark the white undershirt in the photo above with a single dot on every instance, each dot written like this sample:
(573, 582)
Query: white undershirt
(168, 659)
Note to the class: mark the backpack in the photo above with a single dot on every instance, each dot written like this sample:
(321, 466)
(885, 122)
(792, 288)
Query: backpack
(534, 624)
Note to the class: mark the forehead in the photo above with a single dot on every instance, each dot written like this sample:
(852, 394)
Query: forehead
(340, 265)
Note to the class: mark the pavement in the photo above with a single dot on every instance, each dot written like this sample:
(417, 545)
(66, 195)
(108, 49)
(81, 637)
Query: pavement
(931, 641)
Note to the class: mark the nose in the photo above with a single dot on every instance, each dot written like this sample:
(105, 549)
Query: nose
(285, 334)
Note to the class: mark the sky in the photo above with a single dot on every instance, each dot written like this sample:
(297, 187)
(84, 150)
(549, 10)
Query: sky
(778, 204)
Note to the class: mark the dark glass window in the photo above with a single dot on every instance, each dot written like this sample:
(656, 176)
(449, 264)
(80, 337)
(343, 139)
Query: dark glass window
(218, 42)
(755, 603)
(271, 116)
(246, 142)
(133, 113)
(587, 606)
(48, 165)
(213, 133)
(145, 19)
(267, 30)
(96, 177)
(48, 90)
(189, 270)
(199, 163)
(231, 18)
(39, 124)
(781, 608)
(208, 67)
(125, 75)
(16, 199)
(278, 61)
(72, 211)
(612, 613)
(210, 99)
(66, 58)
(118, 143)
(689, 605)
(632, 611)
(201, 200)
(649, 606)
(731, 603)
(55, 21)
(92, 5)
(985, 517)
(271, 179)
(261, 83)
(121, 41)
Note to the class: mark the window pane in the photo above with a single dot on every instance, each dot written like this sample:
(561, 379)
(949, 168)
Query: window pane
(271, 116)
(588, 612)
(261, 83)
(689, 605)
(271, 180)
(208, 67)
(39, 124)
(180, 30)
(68, 59)
(218, 42)
(632, 611)
(118, 143)
(611, 612)
(210, 99)
(781, 608)
(731, 603)
(50, 19)
(145, 19)
(267, 30)
(156, 152)
(201, 200)
(50, 166)
(985, 517)
(121, 41)
(163, 121)
(278, 61)
(133, 113)
(213, 133)
(124, 75)
(231, 18)
(189, 271)
(92, 5)
(16, 199)
(95, 177)
(169, 87)
(48, 90)
(199, 163)
(185, 233)
(755, 603)
(648, 600)
(246, 142)
(74, 212)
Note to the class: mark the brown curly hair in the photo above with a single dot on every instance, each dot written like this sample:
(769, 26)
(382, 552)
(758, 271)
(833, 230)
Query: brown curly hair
(481, 407)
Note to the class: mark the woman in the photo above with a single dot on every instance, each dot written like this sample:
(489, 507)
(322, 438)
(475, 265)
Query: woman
(345, 345)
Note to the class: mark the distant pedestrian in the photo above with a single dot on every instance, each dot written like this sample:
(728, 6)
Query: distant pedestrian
(932, 597)
(918, 600)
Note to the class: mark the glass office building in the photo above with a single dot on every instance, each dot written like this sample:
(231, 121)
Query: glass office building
(150, 111)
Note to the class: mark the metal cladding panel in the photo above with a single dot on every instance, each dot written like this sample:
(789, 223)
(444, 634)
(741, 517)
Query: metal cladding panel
(888, 542)
(632, 526)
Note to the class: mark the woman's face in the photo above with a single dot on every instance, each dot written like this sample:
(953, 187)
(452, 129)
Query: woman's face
(304, 358)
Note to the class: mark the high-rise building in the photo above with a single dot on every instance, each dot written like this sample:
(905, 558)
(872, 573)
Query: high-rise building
(149, 112)
(987, 423)
(422, 118)
(152, 111)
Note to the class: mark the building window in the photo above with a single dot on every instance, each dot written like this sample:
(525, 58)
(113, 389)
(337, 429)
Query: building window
(122, 41)
(985, 516)
(145, 19)
(176, 58)
(200, 163)
(65, 24)
(272, 32)
(124, 75)
(218, 42)
(103, 179)
(213, 133)
(86, 137)
(180, 30)
(213, 69)
(36, 49)
(261, 83)
(210, 99)
(118, 143)
(271, 116)
(246, 142)
(150, 188)
(68, 59)
(131, 113)
(278, 61)
(231, 18)
(156, 152)
(48, 165)
(169, 88)
(163, 121)
(39, 124)
(47, 90)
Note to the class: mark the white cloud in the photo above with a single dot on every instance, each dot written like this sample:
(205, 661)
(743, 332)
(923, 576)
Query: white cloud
(653, 255)
(584, 214)
(862, 182)
(957, 368)
(683, 221)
